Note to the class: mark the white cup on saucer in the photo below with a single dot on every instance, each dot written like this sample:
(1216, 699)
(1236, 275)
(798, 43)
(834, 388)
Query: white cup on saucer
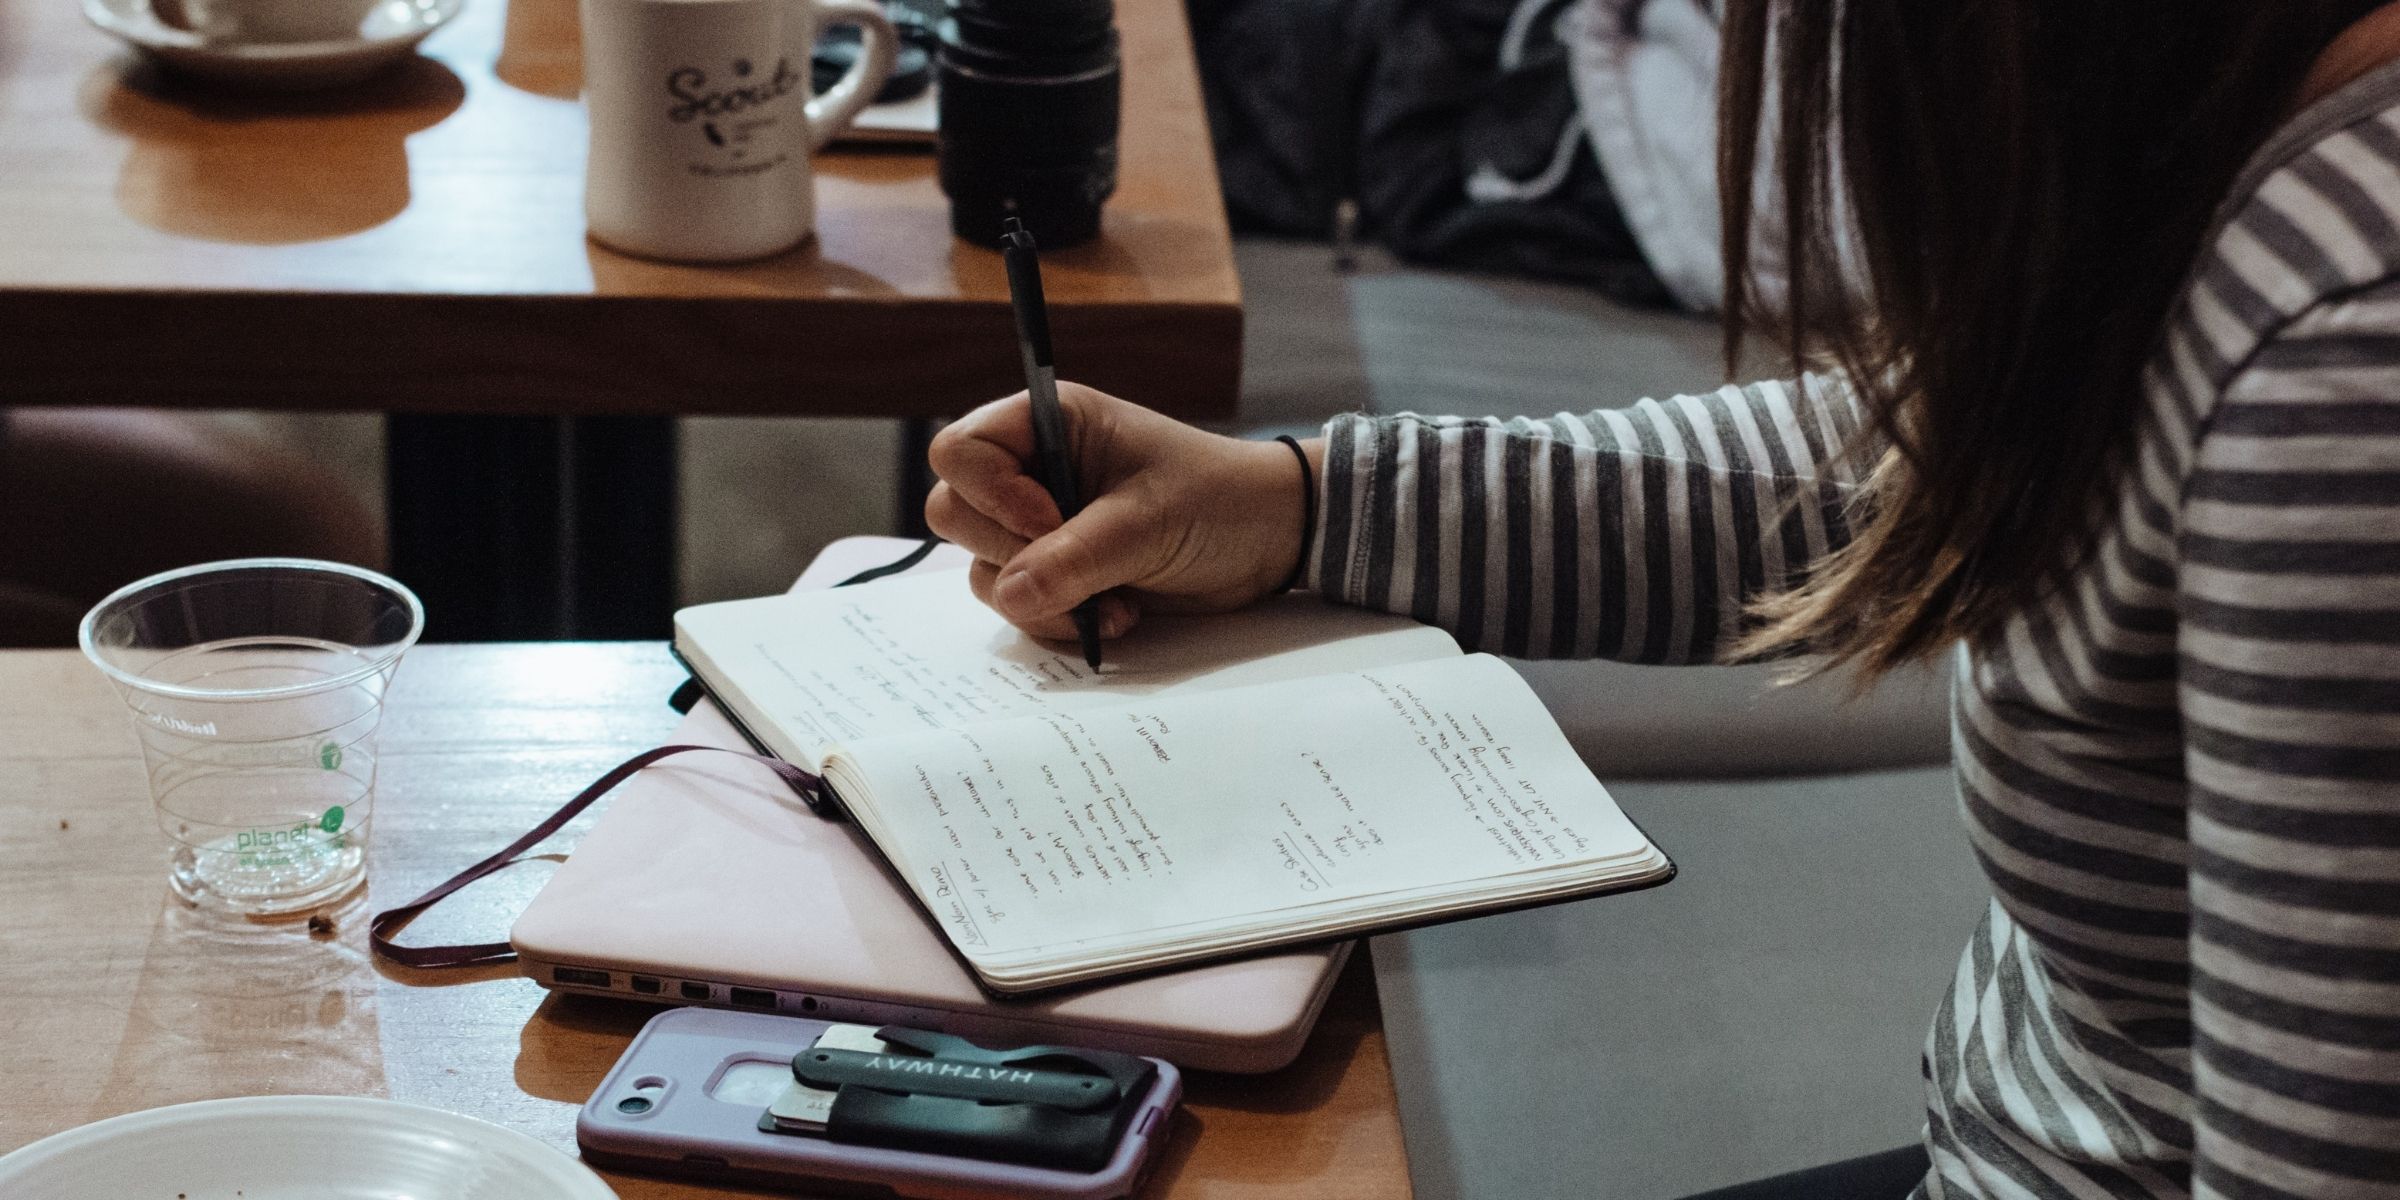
(273, 45)
(256, 22)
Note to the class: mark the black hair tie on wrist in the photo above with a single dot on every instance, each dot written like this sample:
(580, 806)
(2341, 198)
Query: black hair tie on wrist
(1308, 513)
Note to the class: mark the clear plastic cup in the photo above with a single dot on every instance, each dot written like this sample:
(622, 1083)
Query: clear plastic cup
(255, 686)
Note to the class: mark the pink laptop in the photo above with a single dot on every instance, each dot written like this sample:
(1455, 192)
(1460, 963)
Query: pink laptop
(707, 881)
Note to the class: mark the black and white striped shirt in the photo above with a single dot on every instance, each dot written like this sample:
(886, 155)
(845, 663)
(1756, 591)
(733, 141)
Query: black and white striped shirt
(2182, 774)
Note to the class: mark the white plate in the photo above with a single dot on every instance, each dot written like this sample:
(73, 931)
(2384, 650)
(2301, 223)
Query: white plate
(390, 32)
(296, 1148)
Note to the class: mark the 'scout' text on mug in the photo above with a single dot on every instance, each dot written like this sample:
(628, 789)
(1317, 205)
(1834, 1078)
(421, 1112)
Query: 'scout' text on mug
(689, 86)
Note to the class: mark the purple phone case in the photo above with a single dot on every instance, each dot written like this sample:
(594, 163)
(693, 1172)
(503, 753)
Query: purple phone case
(689, 1132)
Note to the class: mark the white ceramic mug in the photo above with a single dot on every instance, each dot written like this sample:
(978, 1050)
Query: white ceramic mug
(703, 120)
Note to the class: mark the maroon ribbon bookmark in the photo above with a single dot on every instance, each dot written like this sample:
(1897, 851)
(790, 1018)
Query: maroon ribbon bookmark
(387, 924)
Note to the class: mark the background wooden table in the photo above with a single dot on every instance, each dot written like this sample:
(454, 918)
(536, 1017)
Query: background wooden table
(114, 997)
(416, 245)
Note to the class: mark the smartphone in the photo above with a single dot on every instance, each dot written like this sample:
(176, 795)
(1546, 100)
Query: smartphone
(692, 1097)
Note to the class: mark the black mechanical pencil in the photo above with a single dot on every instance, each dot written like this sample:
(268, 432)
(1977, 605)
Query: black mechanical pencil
(1053, 459)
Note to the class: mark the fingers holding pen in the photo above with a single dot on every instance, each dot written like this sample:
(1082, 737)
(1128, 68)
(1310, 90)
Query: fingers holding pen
(949, 515)
(987, 459)
(1107, 546)
(1118, 614)
(994, 548)
(1032, 568)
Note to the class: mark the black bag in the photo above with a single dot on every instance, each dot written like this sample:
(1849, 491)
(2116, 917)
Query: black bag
(1451, 124)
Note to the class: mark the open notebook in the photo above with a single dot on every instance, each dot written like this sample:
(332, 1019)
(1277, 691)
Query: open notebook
(1295, 772)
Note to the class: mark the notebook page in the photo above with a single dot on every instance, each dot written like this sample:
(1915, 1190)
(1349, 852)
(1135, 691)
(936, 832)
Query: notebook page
(1100, 825)
(912, 653)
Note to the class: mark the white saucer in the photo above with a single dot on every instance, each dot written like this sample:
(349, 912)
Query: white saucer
(389, 33)
(295, 1148)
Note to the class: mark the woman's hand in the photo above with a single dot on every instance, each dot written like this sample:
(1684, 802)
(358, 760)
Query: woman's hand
(1174, 518)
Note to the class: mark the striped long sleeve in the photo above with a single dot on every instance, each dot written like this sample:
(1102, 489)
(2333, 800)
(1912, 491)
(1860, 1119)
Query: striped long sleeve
(2180, 770)
(2289, 685)
(1636, 533)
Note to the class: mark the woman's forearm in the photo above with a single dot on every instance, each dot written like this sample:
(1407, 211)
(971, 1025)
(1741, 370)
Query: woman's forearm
(1638, 534)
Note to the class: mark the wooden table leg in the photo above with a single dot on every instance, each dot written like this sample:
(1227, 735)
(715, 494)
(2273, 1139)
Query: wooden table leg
(621, 536)
(916, 475)
(529, 528)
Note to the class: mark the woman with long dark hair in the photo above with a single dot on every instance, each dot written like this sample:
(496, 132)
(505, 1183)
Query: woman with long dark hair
(2099, 310)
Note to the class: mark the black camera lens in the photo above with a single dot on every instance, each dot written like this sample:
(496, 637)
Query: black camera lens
(634, 1105)
(1028, 116)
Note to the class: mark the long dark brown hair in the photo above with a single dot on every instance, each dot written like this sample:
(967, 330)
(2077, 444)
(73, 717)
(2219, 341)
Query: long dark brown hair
(2028, 183)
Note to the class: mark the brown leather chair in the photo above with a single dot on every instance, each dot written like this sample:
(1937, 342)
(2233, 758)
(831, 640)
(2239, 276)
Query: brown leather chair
(91, 499)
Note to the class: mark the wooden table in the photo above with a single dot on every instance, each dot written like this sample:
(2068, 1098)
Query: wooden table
(416, 246)
(114, 997)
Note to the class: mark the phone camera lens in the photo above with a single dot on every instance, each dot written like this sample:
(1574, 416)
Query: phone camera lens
(634, 1105)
